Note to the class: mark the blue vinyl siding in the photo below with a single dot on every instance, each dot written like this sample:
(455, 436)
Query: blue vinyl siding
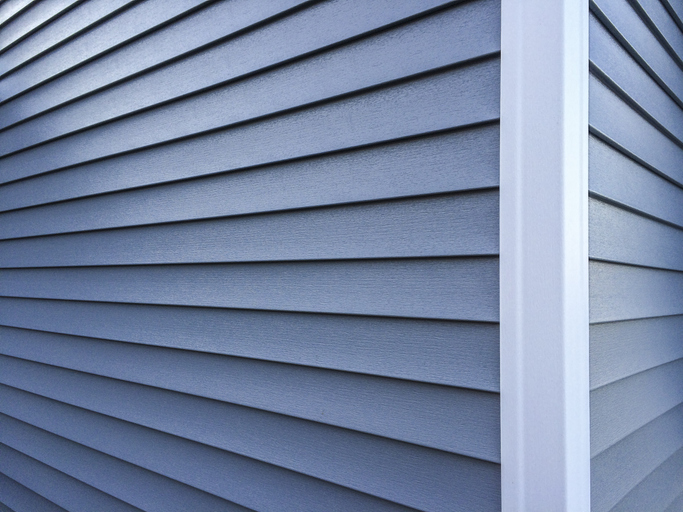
(636, 250)
(249, 255)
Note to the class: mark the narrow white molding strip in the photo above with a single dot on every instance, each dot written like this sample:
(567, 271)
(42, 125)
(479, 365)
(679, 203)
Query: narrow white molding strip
(545, 416)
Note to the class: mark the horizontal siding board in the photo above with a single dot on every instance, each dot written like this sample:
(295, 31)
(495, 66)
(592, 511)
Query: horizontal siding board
(442, 39)
(22, 499)
(621, 408)
(675, 10)
(676, 505)
(172, 49)
(462, 224)
(615, 120)
(615, 62)
(78, 69)
(618, 178)
(61, 489)
(643, 45)
(81, 17)
(664, 26)
(203, 469)
(32, 19)
(620, 349)
(421, 105)
(623, 292)
(410, 288)
(620, 468)
(453, 419)
(622, 236)
(447, 162)
(658, 490)
(129, 24)
(130, 483)
(440, 352)
(12, 8)
(378, 467)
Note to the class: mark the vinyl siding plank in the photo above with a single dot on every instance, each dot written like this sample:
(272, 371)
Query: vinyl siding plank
(618, 178)
(439, 352)
(168, 58)
(448, 162)
(462, 224)
(67, 26)
(658, 490)
(663, 24)
(130, 24)
(623, 292)
(614, 119)
(629, 28)
(457, 420)
(675, 10)
(30, 20)
(442, 39)
(203, 468)
(621, 236)
(22, 499)
(59, 488)
(418, 106)
(676, 505)
(11, 8)
(130, 483)
(631, 80)
(406, 474)
(621, 408)
(621, 349)
(410, 288)
(623, 466)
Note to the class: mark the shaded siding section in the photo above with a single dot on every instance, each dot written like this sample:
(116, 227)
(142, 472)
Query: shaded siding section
(256, 244)
(636, 250)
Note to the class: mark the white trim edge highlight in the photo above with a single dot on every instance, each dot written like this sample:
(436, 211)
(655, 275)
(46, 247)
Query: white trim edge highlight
(545, 410)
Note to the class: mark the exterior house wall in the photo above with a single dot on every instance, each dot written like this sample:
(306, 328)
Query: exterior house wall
(249, 255)
(636, 249)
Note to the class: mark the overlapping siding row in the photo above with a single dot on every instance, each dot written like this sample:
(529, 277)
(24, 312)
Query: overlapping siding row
(636, 249)
(249, 255)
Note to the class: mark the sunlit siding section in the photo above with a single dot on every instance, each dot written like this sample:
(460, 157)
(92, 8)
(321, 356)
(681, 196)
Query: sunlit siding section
(636, 246)
(249, 257)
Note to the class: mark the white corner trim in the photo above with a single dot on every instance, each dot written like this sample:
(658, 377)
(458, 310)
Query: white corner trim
(545, 416)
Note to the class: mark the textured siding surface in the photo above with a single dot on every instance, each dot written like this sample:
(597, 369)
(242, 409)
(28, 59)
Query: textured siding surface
(636, 249)
(249, 255)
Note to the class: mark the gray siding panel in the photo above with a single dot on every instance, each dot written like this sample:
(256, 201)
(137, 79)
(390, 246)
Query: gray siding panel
(421, 105)
(180, 58)
(636, 251)
(463, 224)
(126, 27)
(410, 287)
(11, 8)
(426, 44)
(82, 17)
(249, 255)
(61, 489)
(658, 490)
(128, 482)
(463, 354)
(445, 162)
(28, 21)
(22, 499)
(616, 471)
(272, 451)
